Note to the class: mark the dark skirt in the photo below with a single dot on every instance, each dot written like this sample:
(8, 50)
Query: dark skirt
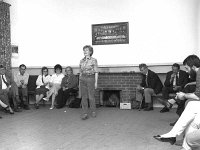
(41, 90)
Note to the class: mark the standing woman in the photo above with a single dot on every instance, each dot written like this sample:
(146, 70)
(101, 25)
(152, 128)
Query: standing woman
(42, 83)
(88, 81)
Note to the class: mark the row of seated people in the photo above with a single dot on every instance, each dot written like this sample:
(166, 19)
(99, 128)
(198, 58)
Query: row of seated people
(14, 94)
(57, 86)
(176, 81)
(187, 96)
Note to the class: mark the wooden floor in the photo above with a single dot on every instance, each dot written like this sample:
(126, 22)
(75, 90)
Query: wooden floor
(62, 129)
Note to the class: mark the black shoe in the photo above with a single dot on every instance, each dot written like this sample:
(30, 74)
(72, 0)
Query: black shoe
(165, 109)
(173, 123)
(148, 109)
(59, 107)
(165, 103)
(36, 106)
(16, 110)
(171, 140)
(26, 107)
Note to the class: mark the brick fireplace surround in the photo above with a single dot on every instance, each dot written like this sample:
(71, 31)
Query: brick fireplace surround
(126, 82)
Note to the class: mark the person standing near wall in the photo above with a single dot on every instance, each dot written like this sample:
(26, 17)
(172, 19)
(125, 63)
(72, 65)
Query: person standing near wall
(88, 81)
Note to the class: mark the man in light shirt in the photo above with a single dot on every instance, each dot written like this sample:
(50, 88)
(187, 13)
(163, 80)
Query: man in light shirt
(21, 79)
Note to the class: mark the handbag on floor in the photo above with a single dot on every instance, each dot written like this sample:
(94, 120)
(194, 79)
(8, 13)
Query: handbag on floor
(75, 103)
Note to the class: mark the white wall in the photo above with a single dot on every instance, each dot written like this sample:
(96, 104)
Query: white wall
(50, 32)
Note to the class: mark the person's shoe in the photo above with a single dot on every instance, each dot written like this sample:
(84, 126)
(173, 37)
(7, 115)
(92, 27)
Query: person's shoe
(173, 123)
(26, 107)
(165, 103)
(17, 110)
(148, 109)
(11, 111)
(84, 116)
(36, 106)
(165, 109)
(171, 140)
(46, 99)
(94, 114)
(52, 107)
(0, 117)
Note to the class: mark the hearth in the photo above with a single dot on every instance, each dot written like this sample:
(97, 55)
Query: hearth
(110, 98)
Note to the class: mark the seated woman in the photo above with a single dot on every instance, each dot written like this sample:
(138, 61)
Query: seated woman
(42, 83)
(55, 84)
(69, 84)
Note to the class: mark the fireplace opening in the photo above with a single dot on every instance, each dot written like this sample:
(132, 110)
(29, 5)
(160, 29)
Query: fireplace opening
(110, 98)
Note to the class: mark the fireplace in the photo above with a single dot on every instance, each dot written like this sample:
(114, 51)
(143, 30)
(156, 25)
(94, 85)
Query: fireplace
(110, 98)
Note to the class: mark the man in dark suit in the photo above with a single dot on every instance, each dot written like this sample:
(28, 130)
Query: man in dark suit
(175, 82)
(149, 86)
(8, 89)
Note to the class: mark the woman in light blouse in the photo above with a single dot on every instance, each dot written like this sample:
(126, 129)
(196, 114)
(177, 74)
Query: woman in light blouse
(88, 81)
(42, 83)
(55, 83)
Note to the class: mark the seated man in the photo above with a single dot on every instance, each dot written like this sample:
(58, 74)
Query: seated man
(21, 79)
(175, 82)
(149, 86)
(5, 88)
(69, 84)
(8, 90)
(188, 121)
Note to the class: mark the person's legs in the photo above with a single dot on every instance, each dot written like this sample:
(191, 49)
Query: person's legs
(25, 98)
(60, 98)
(49, 94)
(66, 96)
(4, 101)
(166, 91)
(193, 140)
(91, 93)
(3, 104)
(84, 94)
(53, 100)
(148, 92)
(139, 98)
(14, 96)
(185, 119)
(192, 134)
(56, 88)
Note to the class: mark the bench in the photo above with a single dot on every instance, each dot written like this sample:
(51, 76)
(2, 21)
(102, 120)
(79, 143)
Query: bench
(32, 86)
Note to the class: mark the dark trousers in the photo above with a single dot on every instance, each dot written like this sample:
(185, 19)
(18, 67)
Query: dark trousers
(23, 93)
(166, 91)
(63, 96)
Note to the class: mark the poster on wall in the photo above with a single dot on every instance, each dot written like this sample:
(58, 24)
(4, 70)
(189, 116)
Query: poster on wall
(110, 33)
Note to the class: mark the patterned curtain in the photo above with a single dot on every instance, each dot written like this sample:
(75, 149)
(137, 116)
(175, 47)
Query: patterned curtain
(5, 40)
